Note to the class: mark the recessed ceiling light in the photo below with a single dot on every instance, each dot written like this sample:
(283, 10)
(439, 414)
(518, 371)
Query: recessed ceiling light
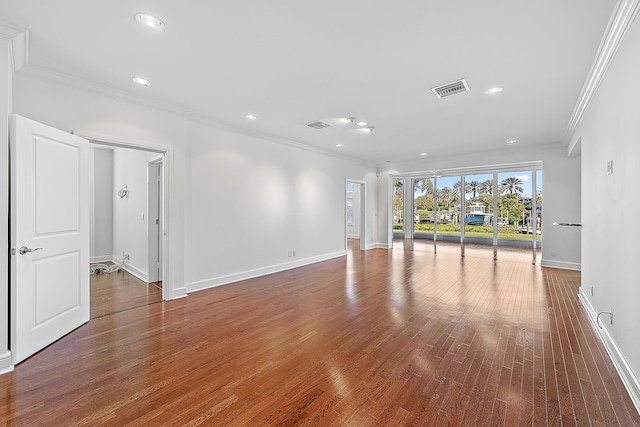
(423, 154)
(141, 81)
(511, 141)
(362, 123)
(350, 119)
(339, 145)
(493, 90)
(370, 128)
(251, 117)
(150, 21)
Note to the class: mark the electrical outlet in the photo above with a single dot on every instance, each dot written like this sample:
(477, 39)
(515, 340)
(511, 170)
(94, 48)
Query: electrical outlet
(294, 254)
(554, 253)
(289, 254)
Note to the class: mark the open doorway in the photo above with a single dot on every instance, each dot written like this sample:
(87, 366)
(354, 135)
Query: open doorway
(355, 214)
(126, 228)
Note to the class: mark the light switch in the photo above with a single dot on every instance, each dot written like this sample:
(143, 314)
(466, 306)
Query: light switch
(610, 167)
(142, 216)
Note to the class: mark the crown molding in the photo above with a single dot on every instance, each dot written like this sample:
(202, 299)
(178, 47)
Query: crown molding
(621, 19)
(197, 118)
(18, 44)
(47, 75)
(54, 77)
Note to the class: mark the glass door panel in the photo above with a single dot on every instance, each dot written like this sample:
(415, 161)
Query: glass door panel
(398, 207)
(515, 227)
(447, 212)
(478, 217)
(423, 214)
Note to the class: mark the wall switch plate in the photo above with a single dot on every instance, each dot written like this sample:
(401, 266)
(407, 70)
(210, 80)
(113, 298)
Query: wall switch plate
(610, 167)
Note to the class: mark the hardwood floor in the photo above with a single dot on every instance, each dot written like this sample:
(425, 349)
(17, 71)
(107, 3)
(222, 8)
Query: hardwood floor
(120, 291)
(400, 337)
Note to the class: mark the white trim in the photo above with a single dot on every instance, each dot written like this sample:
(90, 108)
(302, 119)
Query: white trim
(561, 264)
(169, 290)
(263, 271)
(363, 213)
(353, 236)
(179, 293)
(620, 22)
(378, 246)
(629, 380)
(47, 75)
(5, 363)
(137, 272)
(101, 258)
(19, 44)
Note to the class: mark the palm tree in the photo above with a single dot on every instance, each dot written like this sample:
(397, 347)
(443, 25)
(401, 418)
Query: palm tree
(446, 196)
(487, 187)
(473, 187)
(511, 185)
(425, 185)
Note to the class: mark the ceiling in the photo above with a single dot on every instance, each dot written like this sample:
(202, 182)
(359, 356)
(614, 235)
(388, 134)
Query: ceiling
(290, 62)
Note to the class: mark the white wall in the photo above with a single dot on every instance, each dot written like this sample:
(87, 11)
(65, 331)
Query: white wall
(561, 194)
(610, 130)
(239, 203)
(102, 206)
(5, 110)
(254, 201)
(130, 222)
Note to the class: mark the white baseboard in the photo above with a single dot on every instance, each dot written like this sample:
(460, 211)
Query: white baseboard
(5, 363)
(353, 236)
(561, 264)
(137, 272)
(179, 293)
(383, 245)
(223, 280)
(376, 246)
(624, 370)
(100, 258)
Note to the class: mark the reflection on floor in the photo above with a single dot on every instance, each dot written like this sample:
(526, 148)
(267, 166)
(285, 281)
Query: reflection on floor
(119, 291)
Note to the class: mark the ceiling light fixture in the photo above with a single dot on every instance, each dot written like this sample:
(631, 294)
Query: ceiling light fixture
(141, 81)
(362, 123)
(423, 154)
(511, 141)
(150, 21)
(350, 119)
(370, 128)
(339, 145)
(251, 117)
(493, 90)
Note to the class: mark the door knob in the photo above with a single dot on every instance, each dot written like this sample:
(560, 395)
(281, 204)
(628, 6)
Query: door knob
(23, 250)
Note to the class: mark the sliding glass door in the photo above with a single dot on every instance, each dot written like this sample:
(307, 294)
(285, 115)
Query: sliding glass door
(475, 206)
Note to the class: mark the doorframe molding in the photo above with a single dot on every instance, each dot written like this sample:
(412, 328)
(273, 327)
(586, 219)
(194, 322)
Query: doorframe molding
(169, 289)
(363, 211)
(152, 241)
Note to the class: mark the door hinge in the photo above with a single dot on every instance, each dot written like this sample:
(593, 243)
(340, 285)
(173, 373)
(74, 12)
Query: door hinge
(157, 221)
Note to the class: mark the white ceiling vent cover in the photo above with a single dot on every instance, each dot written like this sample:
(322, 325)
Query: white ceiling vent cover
(452, 88)
(318, 124)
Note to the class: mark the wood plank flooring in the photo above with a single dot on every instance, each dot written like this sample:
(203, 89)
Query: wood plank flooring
(120, 291)
(403, 337)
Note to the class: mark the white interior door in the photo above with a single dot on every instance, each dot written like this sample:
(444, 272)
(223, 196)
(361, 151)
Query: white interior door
(49, 235)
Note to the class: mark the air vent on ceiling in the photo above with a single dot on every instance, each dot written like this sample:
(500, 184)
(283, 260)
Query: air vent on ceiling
(318, 124)
(451, 88)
